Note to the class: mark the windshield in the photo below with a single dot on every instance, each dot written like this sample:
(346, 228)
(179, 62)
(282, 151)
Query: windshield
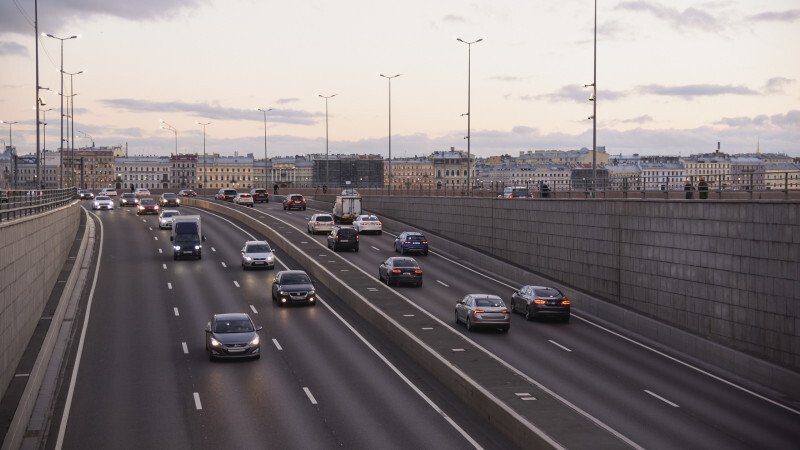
(148, 201)
(170, 213)
(295, 278)
(233, 326)
(101, 197)
(324, 219)
(405, 263)
(258, 248)
(170, 196)
(485, 302)
(187, 239)
(547, 292)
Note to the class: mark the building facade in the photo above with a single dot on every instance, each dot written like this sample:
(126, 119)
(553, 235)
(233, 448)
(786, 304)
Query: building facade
(150, 172)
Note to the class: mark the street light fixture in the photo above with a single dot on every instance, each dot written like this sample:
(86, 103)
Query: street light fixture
(43, 161)
(205, 175)
(469, 115)
(389, 77)
(61, 144)
(87, 135)
(265, 111)
(11, 149)
(327, 161)
(166, 126)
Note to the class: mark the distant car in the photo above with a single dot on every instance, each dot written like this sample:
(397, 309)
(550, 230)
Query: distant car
(294, 201)
(320, 223)
(225, 195)
(142, 192)
(165, 218)
(293, 286)
(147, 206)
(516, 192)
(343, 238)
(103, 202)
(368, 223)
(232, 336)
(484, 311)
(540, 301)
(187, 193)
(260, 195)
(4, 197)
(411, 241)
(400, 269)
(85, 194)
(243, 199)
(169, 199)
(128, 199)
(350, 192)
(257, 254)
(108, 192)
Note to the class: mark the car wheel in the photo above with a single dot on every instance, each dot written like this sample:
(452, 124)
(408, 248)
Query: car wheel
(457, 321)
(425, 253)
(380, 277)
(419, 284)
(469, 324)
(389, 281)
(380, 232)
(402, 251)
(355, 249)
(505, 329)
(211, 356)
(528, 315)
(304, 208)
(566, 319)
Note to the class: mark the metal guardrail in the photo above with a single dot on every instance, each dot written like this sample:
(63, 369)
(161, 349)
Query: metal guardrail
(15, 204)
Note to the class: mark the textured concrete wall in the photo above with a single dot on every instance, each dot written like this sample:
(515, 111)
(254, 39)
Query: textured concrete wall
(726, 271)
(32, 253)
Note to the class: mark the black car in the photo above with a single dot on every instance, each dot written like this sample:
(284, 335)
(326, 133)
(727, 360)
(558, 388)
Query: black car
(398, 269)
(4, 197)
(225, 194)
(293, 286)
(259, 195)
(341, 238)
(540, 301)
(294, 201)
(232, 336)
(169, 199)
(86, 194)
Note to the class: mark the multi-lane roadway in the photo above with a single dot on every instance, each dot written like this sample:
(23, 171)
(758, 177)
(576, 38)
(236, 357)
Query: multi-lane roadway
(327, 379)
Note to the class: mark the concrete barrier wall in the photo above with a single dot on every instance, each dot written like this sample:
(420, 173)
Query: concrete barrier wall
(32, 253)
(725, 271)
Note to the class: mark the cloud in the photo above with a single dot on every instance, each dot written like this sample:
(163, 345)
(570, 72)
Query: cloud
(283, 101)
(777, 85)
(639, 120)
(688, 18)
(577, 94)
(211, 111)
(13, 49)
(452, 18)
(508, 78)
(791, 15)
(788, 121)
(519, 129)
(691, 91)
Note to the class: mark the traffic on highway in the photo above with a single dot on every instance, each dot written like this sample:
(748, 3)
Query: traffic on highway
(306, 371)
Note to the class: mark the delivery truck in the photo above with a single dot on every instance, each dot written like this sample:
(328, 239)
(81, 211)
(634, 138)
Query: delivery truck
(346, 208)
(187, 237)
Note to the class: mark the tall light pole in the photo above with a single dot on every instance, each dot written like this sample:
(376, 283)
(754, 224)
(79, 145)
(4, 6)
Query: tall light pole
(166, 126)
(72, 95)
(389, 77)
(87, 135)
(61, 142)
(265, 111)
(204, 154)
(469, 111)
(11, 149)
(593, 99)
(44, 146)
(327, 161)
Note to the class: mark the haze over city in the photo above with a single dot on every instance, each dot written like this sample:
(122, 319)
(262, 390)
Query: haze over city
(673, 77)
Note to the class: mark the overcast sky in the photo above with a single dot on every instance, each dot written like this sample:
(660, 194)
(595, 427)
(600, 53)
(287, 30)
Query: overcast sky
(673, 77)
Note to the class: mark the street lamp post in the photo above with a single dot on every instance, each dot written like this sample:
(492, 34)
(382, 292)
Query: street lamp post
(87, 135)
(166, 126)
(72, 95)
(265, 111)
(327, 160)
(61, 144)
(43, 162)
(389, 77)
(593, 99)
(11, 149)
(469, 115)
(205, 182)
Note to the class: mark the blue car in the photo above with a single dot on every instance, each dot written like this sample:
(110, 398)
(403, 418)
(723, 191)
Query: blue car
(411, 241)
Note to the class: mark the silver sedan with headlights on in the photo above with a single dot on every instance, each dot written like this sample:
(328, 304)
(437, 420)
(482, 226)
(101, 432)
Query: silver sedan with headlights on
(232, 336)
(102, 202)
(257, 254)
(165, 218)
(484, 311)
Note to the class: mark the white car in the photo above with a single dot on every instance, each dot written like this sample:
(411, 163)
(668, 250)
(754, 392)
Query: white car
(103, 202)
(320, 223)
(243, 199)
(257, 254)
(141, 192)
(368, 223)
(165, 218)
(109, 192)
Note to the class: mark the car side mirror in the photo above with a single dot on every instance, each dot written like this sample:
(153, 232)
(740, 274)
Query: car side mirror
(208, 330)
(171, 239)
(204, 238)
(259, 328)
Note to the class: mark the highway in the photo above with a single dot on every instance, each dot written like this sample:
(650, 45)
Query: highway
(145, 380)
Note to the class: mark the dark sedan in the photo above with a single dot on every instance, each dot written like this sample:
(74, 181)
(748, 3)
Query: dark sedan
(540, 301)
(232, 336)
(398, 269)
(293, 286)
(169, 199)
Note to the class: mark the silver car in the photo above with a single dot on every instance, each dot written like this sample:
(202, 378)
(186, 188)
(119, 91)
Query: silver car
(257, 254)
(165, 218)
(368, 223)
(320, 223)
(483, 310)
(102, 202)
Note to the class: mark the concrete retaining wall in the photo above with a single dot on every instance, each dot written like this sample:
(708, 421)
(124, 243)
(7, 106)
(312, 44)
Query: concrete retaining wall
(32, 254)
(725, 271)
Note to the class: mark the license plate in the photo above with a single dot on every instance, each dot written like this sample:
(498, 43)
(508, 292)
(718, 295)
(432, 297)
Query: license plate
(343, 240)
(415, 243)
(406, 274)
(259, 262)
(235, 350)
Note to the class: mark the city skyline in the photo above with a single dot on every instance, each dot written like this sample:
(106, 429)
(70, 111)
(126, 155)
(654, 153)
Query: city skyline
(673, 77)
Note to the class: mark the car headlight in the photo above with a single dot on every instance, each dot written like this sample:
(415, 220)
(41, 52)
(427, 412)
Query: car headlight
(197, 247)
(247, 259)
(215, 343)
(255, 341)
(270, 257)
(282, 293)
(176, 247)
(178, 201)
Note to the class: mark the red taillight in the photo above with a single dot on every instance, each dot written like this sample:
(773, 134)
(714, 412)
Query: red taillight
(396, 271)
(425, 242)
(511, 196)
(316, 223)
(478, 311)
(407, 242)
(565, 302)
(505, 311)
(362, 223)
(418, 271)
(333, 223)
(539, 301)
(378, 224)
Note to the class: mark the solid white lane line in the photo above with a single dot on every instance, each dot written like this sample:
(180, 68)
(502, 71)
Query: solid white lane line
(558, 345)
(197, 403)
(164, 266)
(235, 283)
(169, 286)
(223, 264)
(277, 345)
(254, 309)
(185, 348)
(443, 283)
(427, 328)
(310, 396)
(175, 309)
(662, 399)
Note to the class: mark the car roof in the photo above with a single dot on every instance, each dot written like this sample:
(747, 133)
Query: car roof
(232, 316)
(254, 242)
(492, 296)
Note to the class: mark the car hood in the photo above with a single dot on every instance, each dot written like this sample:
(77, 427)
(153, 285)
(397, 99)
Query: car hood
(258, 255)
(234, 338)
(296, 287)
